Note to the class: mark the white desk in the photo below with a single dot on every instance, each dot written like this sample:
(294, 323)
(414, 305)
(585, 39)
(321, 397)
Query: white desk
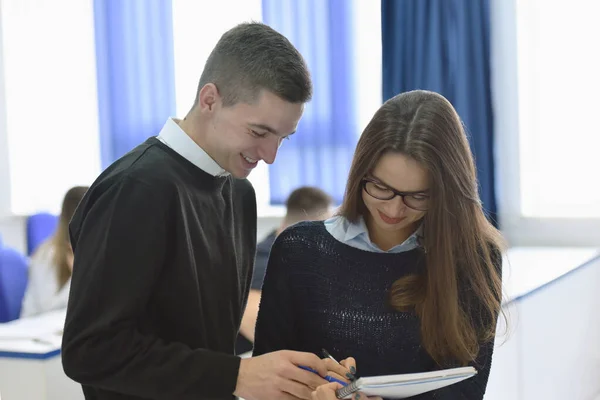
(30, 364)
(527, 270)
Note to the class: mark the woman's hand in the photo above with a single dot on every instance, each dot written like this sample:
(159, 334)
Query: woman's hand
(344, 371)
(327, 392)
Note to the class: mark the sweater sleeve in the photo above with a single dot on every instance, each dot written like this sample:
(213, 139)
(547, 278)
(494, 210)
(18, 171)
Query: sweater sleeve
(119, 239)
(275, 327)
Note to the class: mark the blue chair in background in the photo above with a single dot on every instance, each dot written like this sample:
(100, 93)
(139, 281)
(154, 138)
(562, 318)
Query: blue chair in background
(39, 228)
(13, 282)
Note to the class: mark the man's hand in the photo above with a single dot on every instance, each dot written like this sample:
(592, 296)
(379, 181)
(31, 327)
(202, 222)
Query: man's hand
(277, 375)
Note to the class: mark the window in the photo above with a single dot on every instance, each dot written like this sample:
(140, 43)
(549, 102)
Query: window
(546, 83)
(50, 102)
(558, 105)
(367, 33)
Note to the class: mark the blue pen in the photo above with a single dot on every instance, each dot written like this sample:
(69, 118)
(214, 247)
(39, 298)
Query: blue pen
(327, 377)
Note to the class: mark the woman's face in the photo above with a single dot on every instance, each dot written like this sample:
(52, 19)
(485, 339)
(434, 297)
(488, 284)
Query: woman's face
(396, 172)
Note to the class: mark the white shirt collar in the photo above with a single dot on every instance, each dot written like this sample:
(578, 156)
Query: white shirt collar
(173, 136)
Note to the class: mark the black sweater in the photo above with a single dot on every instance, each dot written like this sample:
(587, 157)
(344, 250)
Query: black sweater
(321, 293)
(163, 264)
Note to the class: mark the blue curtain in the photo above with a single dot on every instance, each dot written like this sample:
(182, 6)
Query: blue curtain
(444, 46)
(135, 72)
(321, 152)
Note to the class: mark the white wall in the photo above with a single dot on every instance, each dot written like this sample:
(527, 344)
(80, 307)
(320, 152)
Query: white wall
(4, 161)
(506, 111)
(560, 328)
(553, 351)
(13, 232)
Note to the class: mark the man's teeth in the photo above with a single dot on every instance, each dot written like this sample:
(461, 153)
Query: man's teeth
(251, 161)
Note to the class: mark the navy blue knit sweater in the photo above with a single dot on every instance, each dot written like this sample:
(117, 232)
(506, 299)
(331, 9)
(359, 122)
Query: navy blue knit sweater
(321, 293)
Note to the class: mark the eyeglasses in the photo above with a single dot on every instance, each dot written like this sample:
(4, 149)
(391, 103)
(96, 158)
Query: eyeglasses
(416, 201)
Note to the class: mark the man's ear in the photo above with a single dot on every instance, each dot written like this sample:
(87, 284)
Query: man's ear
(208, 97)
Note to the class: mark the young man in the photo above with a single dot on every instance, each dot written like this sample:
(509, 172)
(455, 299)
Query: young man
(306, 203)
(164, 242)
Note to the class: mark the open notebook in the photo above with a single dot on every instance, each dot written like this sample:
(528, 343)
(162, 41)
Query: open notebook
(405, 385)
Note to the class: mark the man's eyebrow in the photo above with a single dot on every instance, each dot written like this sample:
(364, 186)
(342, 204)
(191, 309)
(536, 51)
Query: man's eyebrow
(269, 129)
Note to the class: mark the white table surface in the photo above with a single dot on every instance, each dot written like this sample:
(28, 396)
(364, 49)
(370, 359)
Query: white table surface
(30, 363)
(37, 337)
(528, 269)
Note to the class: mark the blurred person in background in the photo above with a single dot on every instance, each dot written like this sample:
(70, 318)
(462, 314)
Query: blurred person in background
(305, 203)
(51, 264)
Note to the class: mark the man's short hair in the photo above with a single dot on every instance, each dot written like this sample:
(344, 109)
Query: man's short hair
(306, 203)
(251, 57)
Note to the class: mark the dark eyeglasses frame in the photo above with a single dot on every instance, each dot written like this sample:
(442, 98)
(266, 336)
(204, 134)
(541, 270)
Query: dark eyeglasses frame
(394, 192)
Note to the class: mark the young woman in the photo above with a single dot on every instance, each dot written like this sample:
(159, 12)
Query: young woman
(52, 263)
(407, 277)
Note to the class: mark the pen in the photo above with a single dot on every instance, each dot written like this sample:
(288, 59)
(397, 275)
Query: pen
(327, 355)
(327, 377)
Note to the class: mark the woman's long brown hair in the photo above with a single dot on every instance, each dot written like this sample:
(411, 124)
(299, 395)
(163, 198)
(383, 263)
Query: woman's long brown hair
(60, 240)
(458, 297)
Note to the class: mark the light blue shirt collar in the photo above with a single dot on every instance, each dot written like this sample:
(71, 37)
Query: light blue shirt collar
(357, 235)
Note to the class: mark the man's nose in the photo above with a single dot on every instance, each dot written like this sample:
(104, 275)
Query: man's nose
(268, 149)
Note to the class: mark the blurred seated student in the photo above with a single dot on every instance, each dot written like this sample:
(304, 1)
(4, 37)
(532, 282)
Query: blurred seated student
(51, 264)
(305, 203)
(406, 277)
